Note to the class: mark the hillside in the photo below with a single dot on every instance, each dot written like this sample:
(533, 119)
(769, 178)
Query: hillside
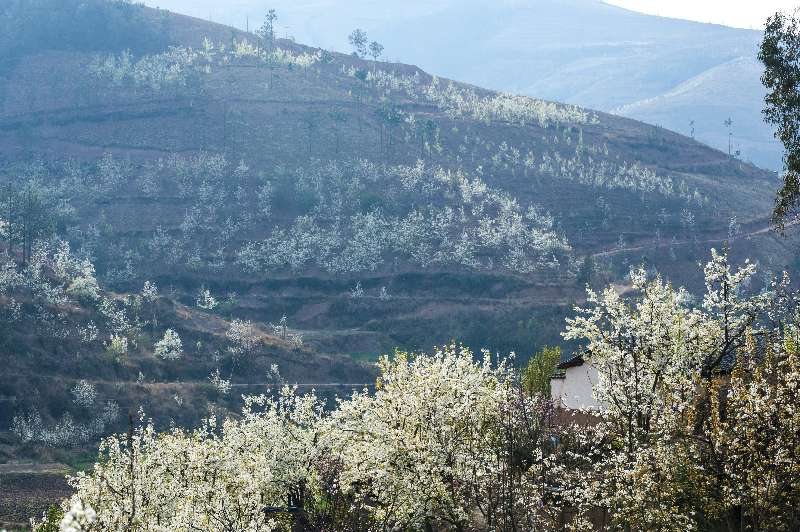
(725, 88)
(357, 206)
(569, 51)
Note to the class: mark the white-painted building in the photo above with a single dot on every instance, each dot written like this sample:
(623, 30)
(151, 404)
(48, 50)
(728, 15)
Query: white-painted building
(572, 386)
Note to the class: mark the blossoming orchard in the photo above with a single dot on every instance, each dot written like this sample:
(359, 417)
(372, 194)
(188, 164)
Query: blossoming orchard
(700, 431)
(251, 284)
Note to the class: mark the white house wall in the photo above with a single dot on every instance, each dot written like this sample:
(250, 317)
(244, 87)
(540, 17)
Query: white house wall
(574, 390)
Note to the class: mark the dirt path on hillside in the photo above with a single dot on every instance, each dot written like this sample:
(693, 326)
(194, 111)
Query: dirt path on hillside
(665, 244)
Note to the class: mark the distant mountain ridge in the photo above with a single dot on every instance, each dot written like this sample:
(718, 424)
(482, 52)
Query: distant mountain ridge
(623, 62)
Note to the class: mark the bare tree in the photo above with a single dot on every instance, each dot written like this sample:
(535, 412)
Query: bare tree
(311, 123)
(729, 125)
(27, 214)
(390, 116)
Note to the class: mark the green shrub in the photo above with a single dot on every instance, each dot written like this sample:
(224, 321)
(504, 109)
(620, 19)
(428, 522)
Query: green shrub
(536, 376)
(117, 347)
(84, 289)
(52, 520)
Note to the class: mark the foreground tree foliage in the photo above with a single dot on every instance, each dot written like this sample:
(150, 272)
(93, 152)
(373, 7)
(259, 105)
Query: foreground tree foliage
(700, 432)
(779, 53)
(441, 442)
(540, 369)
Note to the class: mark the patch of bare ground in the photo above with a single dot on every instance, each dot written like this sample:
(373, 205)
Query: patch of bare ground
(27, 490)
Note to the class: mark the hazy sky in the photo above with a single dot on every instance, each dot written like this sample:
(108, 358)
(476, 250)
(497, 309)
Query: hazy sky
(738, 13)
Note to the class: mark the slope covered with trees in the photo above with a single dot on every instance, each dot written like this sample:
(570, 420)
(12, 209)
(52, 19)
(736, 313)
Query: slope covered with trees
(231, 211)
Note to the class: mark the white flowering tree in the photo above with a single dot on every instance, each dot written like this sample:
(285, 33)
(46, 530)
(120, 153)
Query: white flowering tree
(117, 347)
(216, 478)
(205, 300)
(78, 518)
(84, 393)
(659, 450)
(750, 436)
(149, 298)
(243, 338)
(639, 347)
(169, 347)
(437, 443)
(223, 386)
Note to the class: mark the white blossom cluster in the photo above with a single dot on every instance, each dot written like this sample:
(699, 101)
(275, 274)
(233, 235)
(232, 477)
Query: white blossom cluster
(78, 519)
(169, 347)
(458, 220)
(282, 331)
(218, 477)
(464, 102)
(66, 431)
(110, 175)
(223, 386)
(679, 446)
(57, 294)
(428, 445)
(205, 300)
(219, 210)
(426, 448)
(276, 56)
(62, 183)
(84, 394)
(157, 72)
(243, 337)
(603, 173)
(180, 66)
(41, 289)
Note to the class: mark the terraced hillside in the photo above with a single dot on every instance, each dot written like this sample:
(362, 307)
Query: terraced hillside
(310, 210)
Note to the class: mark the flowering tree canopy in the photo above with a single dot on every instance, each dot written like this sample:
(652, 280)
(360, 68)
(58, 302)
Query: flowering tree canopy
(700, 431)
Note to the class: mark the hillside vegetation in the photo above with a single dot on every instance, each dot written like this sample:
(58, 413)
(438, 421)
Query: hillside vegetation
(585, 52)
(231, 212)
(447, 442)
